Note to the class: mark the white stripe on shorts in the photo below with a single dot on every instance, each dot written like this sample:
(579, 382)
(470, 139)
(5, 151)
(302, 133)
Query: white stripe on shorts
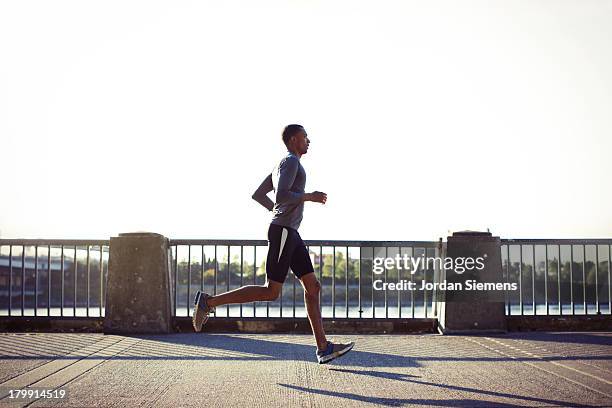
(282, 244)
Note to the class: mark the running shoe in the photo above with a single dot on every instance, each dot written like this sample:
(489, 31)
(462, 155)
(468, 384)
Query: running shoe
(201, 310)
(333, 351)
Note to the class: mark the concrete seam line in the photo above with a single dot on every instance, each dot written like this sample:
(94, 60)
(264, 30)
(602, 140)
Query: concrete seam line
(542, 369)
(130, 344)
(552, 362)
(75, 353)
(577, 361)
(37, 374)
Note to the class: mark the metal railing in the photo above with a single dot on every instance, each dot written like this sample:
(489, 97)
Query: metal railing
(344, 269)
(65, 278)
(53, 277)
(558, 276)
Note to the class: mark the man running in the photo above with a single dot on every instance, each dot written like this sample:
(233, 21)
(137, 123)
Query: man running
(285, 246)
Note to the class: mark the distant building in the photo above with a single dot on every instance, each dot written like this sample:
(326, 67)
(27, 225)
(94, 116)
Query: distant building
(29, 271)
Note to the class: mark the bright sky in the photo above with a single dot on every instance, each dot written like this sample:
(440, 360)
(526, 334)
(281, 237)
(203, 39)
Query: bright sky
(424, 117)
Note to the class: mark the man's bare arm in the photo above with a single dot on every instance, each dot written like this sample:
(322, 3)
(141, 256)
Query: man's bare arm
(261, 194)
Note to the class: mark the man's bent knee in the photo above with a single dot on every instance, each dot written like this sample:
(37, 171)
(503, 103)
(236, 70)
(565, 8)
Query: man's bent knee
(272, 291)
(273, 294)
(312, 289)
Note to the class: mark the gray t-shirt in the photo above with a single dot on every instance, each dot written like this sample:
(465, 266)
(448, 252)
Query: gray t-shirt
(288, 180)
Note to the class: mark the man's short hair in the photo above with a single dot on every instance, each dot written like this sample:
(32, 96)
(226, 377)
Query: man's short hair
(291, 130)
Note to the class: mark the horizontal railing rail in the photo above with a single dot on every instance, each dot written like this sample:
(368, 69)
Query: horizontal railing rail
(558, 276)
(578, 241)
(262, 242)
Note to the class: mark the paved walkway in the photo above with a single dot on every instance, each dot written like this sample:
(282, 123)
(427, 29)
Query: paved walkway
(260, 370)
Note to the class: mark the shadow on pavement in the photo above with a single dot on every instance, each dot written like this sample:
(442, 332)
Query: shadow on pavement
(394, 402)
(199, 346)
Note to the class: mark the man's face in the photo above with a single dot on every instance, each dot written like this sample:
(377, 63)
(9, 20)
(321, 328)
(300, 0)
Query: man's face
(301, 141)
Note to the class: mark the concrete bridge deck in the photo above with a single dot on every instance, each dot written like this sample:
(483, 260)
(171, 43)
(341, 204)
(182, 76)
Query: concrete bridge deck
(274, 370)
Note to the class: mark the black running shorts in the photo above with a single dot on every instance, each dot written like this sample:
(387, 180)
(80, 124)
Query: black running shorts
(286, 250)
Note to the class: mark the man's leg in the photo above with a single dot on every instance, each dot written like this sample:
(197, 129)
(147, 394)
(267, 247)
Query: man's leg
(312, 287)
(277, 265)
(204, 303)
(268, 292)
(301, 265)
(281, 243)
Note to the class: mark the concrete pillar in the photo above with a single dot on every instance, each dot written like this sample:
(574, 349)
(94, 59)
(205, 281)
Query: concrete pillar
(138, 296)
(470, 311)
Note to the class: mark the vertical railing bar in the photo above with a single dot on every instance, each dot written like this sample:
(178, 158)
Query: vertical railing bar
(359, 295)
(320, 276)
(49, 280)
(11, 280)
(294, 279)
(35, 280)
(609, 275)
(597, 309)
(533, 274)
(333, 281)
(546, 278)
(346, 293)
(22, 279)
(172, 279)
(521, 306)
(62, 269)
(399, 279)
(573, 309)
(229, 259)
(203, 262)
(559, 280)
(188, 279)
(412, 280)
(425, 269)
(441, 271)
(584, 302)
(176, 282)
(241, 271)
(215, 278)
(508, 302)
(372, 268)
(268, 303)
(88, 273)
(74, 268)
(434, 290)
(101, 280)
(386, 280)
(104, 276)
(254, 276)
